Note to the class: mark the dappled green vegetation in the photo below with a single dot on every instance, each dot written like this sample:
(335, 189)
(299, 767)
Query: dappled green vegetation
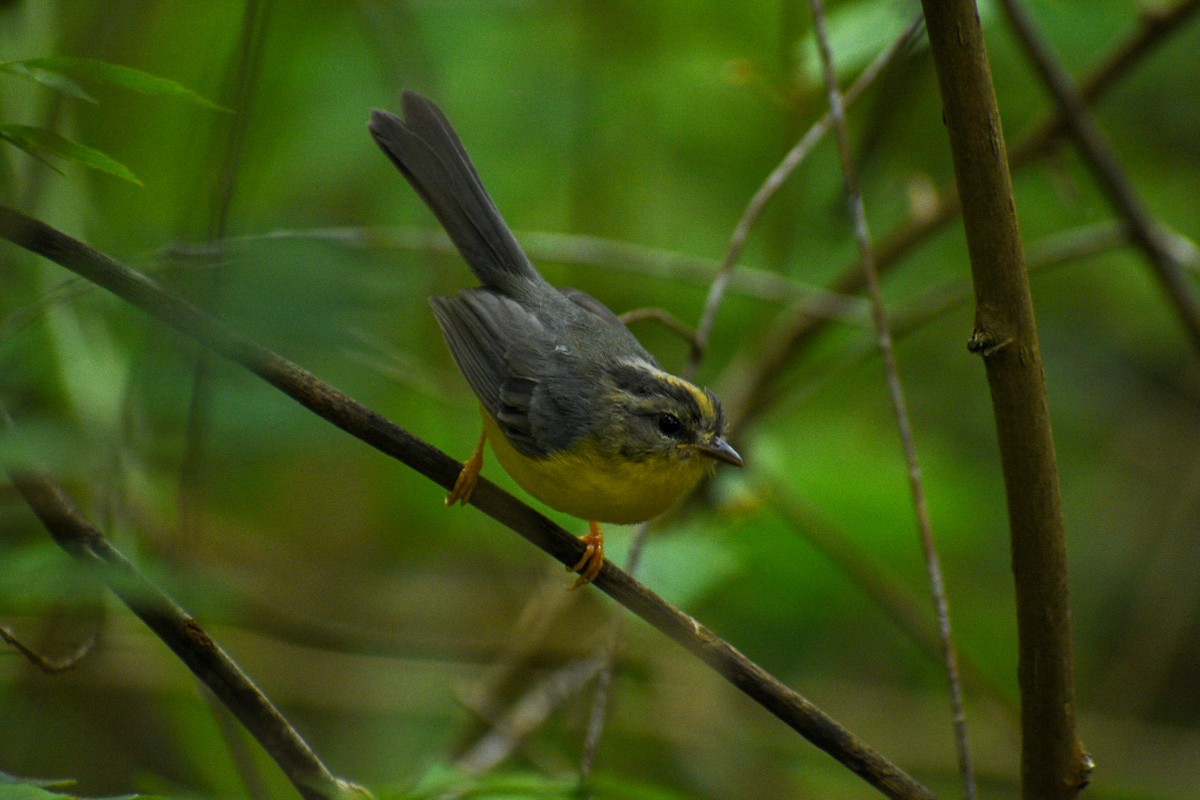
(388, 628)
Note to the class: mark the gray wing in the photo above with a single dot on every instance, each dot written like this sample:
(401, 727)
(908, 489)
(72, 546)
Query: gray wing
(592, 305)
(616, 328)
(516, 367)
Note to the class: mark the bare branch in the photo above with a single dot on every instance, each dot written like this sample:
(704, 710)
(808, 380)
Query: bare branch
(1165, 260)
(506, 734)
(774, 182)
(883, 333)
(50, 666)
(758, 387)
(1158, 23)
(387, 437)
(1053, 763)
(183, 634)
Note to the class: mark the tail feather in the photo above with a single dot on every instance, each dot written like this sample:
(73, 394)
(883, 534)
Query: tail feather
(430, 155)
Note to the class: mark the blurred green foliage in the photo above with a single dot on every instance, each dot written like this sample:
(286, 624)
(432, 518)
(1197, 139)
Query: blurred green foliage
(369, 612)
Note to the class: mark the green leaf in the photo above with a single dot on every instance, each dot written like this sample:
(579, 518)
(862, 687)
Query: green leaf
(42, 142)
(14, 788)
(46, 77)
(44, 783)
(117, 75)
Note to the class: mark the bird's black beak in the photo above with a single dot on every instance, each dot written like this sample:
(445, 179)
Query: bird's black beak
(721, 450)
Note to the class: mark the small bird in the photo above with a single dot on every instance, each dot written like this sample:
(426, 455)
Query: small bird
(576, 410)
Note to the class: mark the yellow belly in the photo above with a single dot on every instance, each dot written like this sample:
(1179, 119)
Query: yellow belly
(590, 485)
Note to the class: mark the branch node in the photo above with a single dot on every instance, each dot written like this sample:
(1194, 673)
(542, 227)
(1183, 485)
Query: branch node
(984, 342)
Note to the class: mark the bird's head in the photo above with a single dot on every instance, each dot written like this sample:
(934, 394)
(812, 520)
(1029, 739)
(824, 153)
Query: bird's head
(654, 415)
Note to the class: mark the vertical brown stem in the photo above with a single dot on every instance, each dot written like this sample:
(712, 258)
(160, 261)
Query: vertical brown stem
(1053, 763)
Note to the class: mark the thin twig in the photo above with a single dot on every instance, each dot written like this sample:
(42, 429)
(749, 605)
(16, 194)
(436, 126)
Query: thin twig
(179, 631)
(774, 182)
(1157, 25)
(862, 236)
(1045, 254)
(506, 734)
(602, 694)
(243, 78)
(668, 321)
(50, 666)
(759, 384)
(906, 611)
(1146, 233)
(387, 437)
(699, 342)
(1053, 763)
(545, 247)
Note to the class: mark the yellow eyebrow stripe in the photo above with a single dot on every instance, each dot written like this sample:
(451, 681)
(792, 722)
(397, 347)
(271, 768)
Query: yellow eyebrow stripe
(702, 399)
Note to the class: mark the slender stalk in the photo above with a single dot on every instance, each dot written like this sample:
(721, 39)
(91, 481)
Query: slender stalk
(759, 384)
(774, 182)
(242, 80)
(708, 318)
(184, 635)
(387, 437)
(883, 331)
(1166, 260)
(1053, 763)
(49, 666)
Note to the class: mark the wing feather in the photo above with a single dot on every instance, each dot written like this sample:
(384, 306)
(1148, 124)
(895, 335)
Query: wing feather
(497, 344)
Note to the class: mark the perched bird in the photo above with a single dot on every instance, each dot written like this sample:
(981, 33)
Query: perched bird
(576, 410)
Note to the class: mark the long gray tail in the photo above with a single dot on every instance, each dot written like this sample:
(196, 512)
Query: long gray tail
(429, 153)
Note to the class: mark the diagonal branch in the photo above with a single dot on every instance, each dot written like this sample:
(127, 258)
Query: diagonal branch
(760, 388)
(179, 631)
(775, 181)
(387, 437)
(1165, 259)
(1053, 763)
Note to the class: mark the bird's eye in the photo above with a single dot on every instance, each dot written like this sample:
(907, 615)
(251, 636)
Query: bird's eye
(669, 425)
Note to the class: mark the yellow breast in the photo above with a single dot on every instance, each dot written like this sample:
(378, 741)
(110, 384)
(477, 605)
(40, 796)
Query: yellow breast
(591, 485)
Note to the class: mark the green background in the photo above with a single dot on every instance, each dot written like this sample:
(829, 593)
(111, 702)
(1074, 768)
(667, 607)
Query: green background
(372, 614)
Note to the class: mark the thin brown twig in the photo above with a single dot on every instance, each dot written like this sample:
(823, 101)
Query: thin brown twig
(866, 250)
(375, 430)
(700, 340)
(1053, 763)
(759, 385)
(1146, 233)
(1157, 25)
(506, 733)
(1044, 254)
(774, 182)
(184, 635)
(668, 321)
(601, 696)
(50, 666)
(863, 570)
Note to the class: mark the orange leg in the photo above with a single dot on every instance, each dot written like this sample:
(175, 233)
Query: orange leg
(593, 558)
(468, 477)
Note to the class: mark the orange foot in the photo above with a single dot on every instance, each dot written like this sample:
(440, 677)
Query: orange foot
(464, 485)
(593, 558)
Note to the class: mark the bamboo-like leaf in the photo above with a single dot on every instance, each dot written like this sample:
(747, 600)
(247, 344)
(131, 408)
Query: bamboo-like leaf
(42, 142)
(70, 69)
(47, 77)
